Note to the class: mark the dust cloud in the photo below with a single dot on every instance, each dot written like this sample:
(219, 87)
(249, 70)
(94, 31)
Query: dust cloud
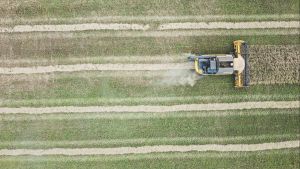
(181, 77)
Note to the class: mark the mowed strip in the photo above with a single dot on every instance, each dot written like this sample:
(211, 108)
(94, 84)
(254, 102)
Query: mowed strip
(149, 18)
(136, 142)
(159, 33)
(129, 115)
(145, 100)
(230, 25)
(176, 58)
(151, 149)
(46, 132)
(86, 67)
(143, 108)
(73, 27)
(22, 46)
(166, 26)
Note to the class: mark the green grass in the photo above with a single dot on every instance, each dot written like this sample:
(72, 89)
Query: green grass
(114, 130)
(89, 48)
(284, 122)
(151, 20)
(67, 85)
(108, 143)
(105, 129)
(71, 8)
(97, 101)
(236, 160)
(81, 46)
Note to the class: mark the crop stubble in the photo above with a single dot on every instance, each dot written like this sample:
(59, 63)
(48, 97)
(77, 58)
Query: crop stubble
(270, 64)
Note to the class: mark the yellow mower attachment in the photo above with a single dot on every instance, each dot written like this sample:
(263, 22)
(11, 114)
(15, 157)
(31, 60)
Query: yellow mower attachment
(241, 66)
(199, 71)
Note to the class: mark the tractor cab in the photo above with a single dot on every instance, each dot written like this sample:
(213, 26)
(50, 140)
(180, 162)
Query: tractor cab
(213, 64)
(209, 65)
(235, 63)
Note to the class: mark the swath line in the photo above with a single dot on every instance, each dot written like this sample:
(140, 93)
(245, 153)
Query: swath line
(166, 26)
(153, 109)
(170, 33)
(74, 27)
(153, 18)
(230, 25)
(145, 141)
(94, 67)
(151, 149)
(127, 115)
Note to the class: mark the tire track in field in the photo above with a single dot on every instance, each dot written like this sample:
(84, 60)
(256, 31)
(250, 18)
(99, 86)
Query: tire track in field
(152, 149)
(95, 67)
(166, 26)
(153, 109)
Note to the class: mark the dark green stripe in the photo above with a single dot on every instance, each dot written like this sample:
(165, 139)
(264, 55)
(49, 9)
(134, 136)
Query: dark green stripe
(276, 159)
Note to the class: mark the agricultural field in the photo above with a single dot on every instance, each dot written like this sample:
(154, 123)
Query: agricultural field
(107, 84)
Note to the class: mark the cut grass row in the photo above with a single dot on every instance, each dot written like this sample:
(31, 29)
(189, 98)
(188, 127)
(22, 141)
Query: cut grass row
(94, 60)
(149, 26)
(104, 101)
(156, 20)
(80, 45)
(105, 130)
(66, 8)
(45, 60)
(153, 108)
(152, 149)
(153, 111)
(97, 67)
(287, 54)
(61, 132)
(109, 143)
(93, 87)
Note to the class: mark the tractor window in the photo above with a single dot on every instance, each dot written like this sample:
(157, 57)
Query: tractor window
(213, 65)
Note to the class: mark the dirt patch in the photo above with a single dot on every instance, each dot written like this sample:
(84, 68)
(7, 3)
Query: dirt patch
(152, 149)
(142, 108)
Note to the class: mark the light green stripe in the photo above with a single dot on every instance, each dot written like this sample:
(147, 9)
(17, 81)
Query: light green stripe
(191, 155)
(152, 18)
(142, 100)
(129, 115)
